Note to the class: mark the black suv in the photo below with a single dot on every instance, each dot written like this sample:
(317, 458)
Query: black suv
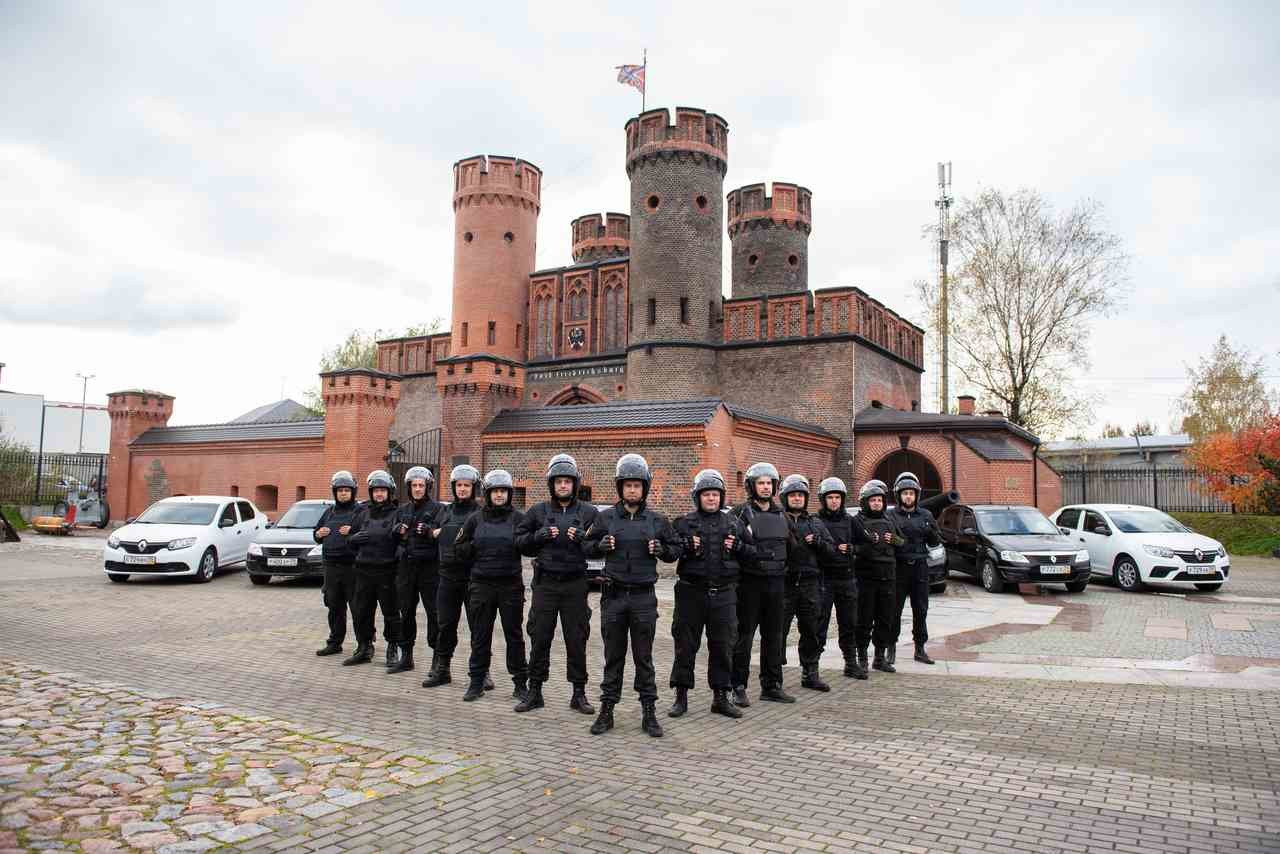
(1002, 544)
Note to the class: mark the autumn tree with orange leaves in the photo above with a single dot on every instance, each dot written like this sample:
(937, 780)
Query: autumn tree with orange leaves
(1243, 467)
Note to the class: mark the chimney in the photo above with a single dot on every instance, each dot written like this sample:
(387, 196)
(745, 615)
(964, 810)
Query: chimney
(965, 403)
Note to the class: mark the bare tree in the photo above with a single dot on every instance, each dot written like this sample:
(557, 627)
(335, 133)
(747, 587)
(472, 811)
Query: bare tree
(1029, 282)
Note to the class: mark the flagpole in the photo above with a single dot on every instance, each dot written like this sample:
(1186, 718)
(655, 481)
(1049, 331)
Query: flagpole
(644, 63)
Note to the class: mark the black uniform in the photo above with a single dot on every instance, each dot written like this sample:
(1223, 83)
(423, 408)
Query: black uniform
(918, 528)
(875, 572)
(707, 596)
(418, 577)
(338, 558)
(839, 584)
(628, 605)
(374, 536)
(559, 585)
(488, 543)
(761, 595)
(455, 575)
(804, 583)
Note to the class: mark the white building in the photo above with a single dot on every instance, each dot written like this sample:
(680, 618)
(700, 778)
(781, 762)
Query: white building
(21, 416)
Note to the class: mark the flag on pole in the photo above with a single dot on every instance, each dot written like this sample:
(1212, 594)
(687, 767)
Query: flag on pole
(632, 75)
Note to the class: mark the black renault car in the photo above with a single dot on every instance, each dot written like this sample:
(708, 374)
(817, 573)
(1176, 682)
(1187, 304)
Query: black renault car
(288, 548)
(1002, 544)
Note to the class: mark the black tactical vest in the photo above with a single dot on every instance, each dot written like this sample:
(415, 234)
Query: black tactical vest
(495, 548)
(769, 528)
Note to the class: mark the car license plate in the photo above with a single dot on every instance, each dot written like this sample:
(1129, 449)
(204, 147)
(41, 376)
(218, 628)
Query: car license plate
(1202, 570)
(282, 561)
(1055, 570)
(140, 559)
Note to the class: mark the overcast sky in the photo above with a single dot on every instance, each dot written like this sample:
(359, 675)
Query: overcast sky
(200, 198)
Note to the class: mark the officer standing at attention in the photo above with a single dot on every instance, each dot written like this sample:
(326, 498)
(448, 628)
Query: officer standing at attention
(418, 577)
(338, 558)
(809, 543)
(876, 564)
(713, 542)
(374, 536)
(632, 538)
(552, 533)
(839, 587)
(920, 531)
(488, 542)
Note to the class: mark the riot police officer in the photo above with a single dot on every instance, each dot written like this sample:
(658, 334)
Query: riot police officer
(706, 596)
(808, 543)
(488, 542)
(762, 588)
(374, 536)
(338, 558)
(919, 531)
(417, 577)
(875, 568)
(839, 586)
(552, 533)
(632, 538)
(455, 574)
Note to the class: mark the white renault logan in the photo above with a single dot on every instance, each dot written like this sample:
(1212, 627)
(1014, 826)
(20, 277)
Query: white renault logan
(1139, 545)
(188, 535)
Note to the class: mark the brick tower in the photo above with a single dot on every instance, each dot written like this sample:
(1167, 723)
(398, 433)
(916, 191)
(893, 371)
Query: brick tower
(770, 239)
(596, 239)
(677, 214)
(359, 406)
(132, 412)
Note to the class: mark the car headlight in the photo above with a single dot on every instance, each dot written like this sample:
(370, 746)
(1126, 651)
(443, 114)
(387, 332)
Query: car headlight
(184, 543)
(1158, 551)
(255, 549)
(1082, 556)
(1013, 557)
(1222, 551)
(316, 551)
(113, 542)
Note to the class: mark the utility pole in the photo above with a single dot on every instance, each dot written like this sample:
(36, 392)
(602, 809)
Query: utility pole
(943, 204)
(84, 396)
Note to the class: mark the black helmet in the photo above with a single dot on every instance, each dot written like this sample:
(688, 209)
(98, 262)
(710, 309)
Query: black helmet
(497, 479)
(464, 472)
(795, 483)
(562, 465)
(379, 478)
(906, 480)
(870, 490)
(704, 480)
(418, 473)
(758, 471)
(340, 480)
(632, 467)
(830, 485)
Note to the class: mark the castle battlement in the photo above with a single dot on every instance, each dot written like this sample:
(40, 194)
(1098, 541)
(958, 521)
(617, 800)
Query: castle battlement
(790, 205)
(596, 237)
(697, 132)
(489, 177)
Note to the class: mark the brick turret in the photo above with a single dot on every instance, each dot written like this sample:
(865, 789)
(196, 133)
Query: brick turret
(132, 412)
(677, 214)
(596, 238)
(359, 406)
(770, 239)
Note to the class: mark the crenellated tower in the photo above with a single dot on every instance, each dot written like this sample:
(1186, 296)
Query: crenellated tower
(769, 235)
(597, 238)
(677, 215)
(132, 412)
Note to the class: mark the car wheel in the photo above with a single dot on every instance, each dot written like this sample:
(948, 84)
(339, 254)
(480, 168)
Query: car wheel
(208, 566)
(1209, 587)
(259, 580)
(106, 517)
(990, 576)
(121, 578)
(1126, 574)
(940, 587)
(1076, 586)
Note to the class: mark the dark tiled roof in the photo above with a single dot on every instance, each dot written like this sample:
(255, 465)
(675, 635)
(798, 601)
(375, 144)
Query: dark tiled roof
(281, 410)
(993, 447)
(250, 431)
(660, 413)
(756, 415)
(883, 418)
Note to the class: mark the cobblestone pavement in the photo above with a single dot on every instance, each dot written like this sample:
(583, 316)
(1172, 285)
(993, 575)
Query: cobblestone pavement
(222, 677)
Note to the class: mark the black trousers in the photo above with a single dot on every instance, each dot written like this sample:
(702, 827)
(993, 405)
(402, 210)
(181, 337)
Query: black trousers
(760, 606)
(492, 600)
(876, 612)
(451, 599)
(628, 615)
(802, 601)
(839, 594)
(417, 579)
(563, 598)
(376, 588)
(715, 611)
(913, 581)
(339, 595)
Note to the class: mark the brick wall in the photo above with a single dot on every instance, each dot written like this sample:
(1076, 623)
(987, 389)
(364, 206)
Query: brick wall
(1050, 486)
(770, 239)
(359, 409)
(879, 377)
(132, 413)
(420, 407)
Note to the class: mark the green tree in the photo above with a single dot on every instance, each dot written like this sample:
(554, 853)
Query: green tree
(360, 350)
(1111, 431)
(1226, 392)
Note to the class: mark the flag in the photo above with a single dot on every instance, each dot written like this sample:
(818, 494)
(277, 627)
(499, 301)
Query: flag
(632, 75)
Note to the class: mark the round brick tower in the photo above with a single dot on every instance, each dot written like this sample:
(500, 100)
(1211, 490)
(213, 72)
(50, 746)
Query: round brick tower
(598, 239)
(495, 222)
(677, 187)
(770, 239)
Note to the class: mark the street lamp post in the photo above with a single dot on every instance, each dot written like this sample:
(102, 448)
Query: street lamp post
(84, 396)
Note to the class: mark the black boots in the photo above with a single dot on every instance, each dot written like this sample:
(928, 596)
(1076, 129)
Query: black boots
(475, 690)
(740, 698)
(723, 705)
(891, 655)
(330, 648)
(604, 722)
(855, 668)
(922, 656)
(520, 689)
(882, 662)
(861, 668)
(488, 683)
(580, 703)
(681, 705)
(439, 673)
(813, 680)
(362, 655)
(650, 723)
(393, 654)
(404, 661)
(775, 694)
(532, 698)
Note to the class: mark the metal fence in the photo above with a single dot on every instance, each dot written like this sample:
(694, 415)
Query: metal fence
(30, 478)
(1169, 488)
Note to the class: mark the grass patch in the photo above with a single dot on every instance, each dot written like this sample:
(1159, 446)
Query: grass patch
(1241, 534)
(15, 518)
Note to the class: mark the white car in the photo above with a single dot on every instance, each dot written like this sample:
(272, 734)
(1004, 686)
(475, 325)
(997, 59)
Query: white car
(1139, 545)
(189, 535)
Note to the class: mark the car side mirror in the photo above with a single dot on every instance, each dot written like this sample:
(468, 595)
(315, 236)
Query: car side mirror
(1103, 530)
(131, 520)
(226, 523)
(970, 532)
(270, 524)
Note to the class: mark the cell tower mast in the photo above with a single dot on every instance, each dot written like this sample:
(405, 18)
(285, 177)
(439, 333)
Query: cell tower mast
(943, 205)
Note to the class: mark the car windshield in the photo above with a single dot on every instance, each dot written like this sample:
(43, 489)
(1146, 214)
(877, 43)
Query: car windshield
(178, 513)
(1015, 520)
(302, 516)
(1146, 522)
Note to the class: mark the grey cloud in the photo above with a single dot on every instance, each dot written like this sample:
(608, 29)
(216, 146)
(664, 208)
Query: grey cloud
(127, 303)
